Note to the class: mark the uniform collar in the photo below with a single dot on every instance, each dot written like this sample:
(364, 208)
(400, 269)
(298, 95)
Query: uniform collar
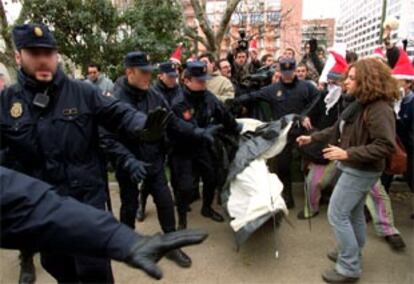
(133, 91)
(194, 97)
(31, 83)
(164, 87)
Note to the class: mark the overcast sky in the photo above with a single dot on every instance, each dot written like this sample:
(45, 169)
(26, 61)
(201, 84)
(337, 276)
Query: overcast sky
(314, 9)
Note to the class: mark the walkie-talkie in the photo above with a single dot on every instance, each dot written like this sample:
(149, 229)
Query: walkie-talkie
(41, 99)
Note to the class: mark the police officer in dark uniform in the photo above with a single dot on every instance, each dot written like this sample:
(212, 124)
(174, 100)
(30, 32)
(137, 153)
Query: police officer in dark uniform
(165, 87)
(167, 84)
(49, 123)
(202, 109)
(289, 96)
(34, 217)
(145, 158)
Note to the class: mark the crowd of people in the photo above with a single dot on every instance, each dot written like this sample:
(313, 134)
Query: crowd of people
(67, 133)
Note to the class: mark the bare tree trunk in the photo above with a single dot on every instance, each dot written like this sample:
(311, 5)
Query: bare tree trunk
(212, 41)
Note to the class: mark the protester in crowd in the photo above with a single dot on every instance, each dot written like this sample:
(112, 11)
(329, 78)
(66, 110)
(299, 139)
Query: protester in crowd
(323, 174)
(225, 68)
(360, 141)
(267, 60)
(312, 60)
(302, 73)
(219, 85)
(99, 80)
(289, 53)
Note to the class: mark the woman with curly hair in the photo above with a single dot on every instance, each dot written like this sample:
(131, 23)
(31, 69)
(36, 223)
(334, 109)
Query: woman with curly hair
(359, 142)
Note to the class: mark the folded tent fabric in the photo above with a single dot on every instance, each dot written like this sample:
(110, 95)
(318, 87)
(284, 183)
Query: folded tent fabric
(252, 194)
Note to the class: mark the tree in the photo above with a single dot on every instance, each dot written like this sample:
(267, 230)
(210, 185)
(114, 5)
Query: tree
(212, 40)
(95, 31)
(7, 56)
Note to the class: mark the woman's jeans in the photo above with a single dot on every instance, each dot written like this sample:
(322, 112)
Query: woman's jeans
(346, 216)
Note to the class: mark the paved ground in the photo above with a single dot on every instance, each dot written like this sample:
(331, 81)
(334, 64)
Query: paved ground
(301, 253)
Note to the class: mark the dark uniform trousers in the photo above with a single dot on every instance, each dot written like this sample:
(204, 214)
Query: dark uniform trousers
(183, 169)
(155, 184)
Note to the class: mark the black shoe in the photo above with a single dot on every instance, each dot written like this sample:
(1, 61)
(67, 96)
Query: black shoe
(396, 242)
(333, 255)
(179, 257)
(412, 216)
(301, 215)
(27, 270)
(332, 276)
(182, 221)
(213, 215)
(140, 214)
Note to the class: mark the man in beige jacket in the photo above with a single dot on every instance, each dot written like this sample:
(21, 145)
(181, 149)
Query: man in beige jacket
(218, 85)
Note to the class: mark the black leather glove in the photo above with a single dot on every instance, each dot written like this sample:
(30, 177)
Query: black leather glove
(136, 169)
(208, 132)
(155, 125)
(147, 251)
(234, 106)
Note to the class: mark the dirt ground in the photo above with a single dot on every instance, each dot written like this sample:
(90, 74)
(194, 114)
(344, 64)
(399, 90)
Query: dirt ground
(302, 252)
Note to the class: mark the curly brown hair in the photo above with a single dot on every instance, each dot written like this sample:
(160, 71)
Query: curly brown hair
(374, 81)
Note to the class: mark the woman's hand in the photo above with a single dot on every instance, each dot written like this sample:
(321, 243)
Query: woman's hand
(303, 140)
(306, 123)
(333, 153)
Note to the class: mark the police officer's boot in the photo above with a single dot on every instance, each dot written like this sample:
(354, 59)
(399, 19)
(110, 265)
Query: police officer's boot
(210, 213)
(27, 269)
(182, 221)
(179, 257)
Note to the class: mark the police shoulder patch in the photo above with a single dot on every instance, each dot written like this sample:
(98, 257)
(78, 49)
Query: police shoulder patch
(16, 110)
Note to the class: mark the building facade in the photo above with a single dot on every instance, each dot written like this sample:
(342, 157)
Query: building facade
(274, 24)
(359, 24)
(323, 30)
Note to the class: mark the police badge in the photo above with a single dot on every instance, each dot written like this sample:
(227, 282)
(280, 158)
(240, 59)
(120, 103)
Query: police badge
(38, 32)
(16, 110)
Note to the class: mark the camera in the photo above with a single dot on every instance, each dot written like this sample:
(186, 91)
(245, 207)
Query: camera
(243, 42)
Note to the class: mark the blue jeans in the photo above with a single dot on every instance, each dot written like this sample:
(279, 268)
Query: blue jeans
(346, 216)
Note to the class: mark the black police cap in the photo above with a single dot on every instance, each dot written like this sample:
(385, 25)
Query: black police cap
(287, 64)
(32, 36)
(198, 70)
(140, 60)
(169, 67)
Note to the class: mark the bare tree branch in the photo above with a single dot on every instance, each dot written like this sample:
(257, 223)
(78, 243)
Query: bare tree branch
(225, 20)
(191, 33)
(204, 25)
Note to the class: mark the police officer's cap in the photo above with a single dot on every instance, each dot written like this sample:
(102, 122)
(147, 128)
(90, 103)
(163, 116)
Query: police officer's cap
(287, 65)
(170, 68)
(33, 36)
(198, 70)
(140, 60)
